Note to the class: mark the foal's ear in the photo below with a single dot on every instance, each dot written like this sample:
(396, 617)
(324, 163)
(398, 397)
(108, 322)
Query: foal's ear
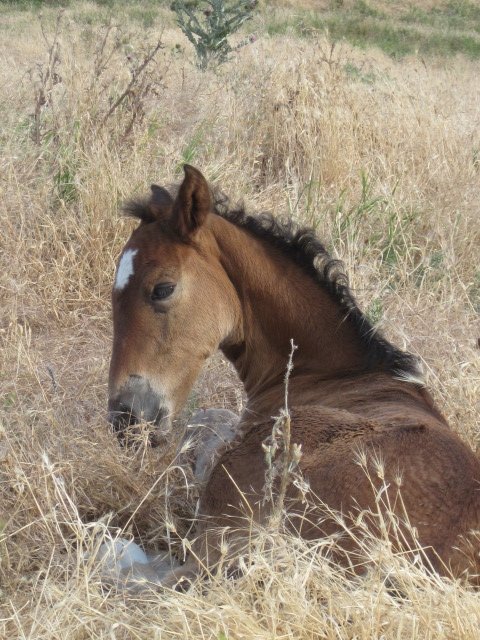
(192, 204)
(161, 202)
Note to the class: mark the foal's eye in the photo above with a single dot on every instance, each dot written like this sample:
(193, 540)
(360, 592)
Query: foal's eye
(162, 291)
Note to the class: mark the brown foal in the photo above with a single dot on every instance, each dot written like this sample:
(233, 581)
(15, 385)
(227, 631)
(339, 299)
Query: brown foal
(192, 279)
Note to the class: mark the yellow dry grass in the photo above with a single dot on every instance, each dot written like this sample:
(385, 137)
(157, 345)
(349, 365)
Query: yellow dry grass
(381, 157)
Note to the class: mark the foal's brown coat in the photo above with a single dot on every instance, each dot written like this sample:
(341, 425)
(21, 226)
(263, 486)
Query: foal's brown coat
(249, 287)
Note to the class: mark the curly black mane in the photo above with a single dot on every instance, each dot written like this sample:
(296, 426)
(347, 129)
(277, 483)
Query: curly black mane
(303, 247)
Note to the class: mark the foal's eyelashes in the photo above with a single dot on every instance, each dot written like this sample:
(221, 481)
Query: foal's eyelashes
(162, 291)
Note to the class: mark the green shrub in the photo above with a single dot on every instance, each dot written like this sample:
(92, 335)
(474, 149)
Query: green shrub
(209, 24)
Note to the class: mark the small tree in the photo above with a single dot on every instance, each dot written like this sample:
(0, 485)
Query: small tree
(208, 26)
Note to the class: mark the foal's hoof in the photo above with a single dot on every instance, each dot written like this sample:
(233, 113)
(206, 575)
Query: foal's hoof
(183, 585)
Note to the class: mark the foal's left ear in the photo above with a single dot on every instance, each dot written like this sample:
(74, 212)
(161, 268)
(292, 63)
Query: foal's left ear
(161, 202)
(192, 204)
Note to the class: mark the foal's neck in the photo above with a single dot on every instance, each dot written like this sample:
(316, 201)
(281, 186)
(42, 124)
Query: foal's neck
(281, 303)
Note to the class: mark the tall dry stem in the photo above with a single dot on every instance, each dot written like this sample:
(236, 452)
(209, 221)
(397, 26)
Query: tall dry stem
(282, 457)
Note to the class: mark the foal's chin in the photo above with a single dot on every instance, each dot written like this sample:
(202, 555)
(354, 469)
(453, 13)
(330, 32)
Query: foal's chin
(132, 432)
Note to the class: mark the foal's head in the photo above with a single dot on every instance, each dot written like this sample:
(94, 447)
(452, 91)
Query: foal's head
(173, 304)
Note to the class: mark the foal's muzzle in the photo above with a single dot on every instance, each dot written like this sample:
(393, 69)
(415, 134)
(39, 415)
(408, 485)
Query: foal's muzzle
(137, 402)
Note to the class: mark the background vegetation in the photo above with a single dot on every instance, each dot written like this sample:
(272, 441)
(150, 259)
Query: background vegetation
(360, 119)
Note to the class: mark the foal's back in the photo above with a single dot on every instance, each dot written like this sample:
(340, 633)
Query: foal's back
(432, 477)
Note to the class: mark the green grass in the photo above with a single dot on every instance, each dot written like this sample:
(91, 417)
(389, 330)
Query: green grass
(142, 6)
(446, 30)
(452, 27)
(460, 15)
(374, 311)
(358, 73)
(474, 292)
(31, 5)
(145, 16)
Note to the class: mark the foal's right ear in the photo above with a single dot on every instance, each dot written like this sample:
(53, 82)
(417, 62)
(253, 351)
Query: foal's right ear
(192, 204)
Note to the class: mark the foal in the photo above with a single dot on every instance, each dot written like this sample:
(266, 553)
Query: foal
(192, 279)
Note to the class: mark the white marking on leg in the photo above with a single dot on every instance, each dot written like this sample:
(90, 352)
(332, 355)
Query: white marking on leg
(125, 269)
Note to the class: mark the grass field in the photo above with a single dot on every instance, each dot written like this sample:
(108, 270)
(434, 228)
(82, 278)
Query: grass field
(359, 119)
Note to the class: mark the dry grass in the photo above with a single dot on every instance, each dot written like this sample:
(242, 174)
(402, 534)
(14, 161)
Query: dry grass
(381, 157)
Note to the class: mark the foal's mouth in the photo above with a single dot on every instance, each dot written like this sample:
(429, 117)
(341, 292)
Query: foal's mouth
(136, 412)
(131, 431)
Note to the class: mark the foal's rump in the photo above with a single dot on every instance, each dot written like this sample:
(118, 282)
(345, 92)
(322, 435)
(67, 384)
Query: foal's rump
(421, 472)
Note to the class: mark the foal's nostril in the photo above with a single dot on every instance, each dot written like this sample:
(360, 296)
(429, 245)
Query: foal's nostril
(120, 417)
(124, 409)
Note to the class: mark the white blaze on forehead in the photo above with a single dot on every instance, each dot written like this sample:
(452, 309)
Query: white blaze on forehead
(125, 269)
